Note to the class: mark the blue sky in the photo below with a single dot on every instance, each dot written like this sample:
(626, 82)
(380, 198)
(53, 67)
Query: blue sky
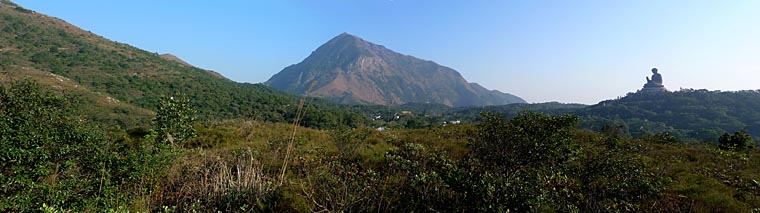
(567, 51)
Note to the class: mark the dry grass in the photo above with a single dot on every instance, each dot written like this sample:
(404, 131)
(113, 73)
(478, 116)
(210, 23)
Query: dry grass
(211, 180)
(296, 123)
(231, 135)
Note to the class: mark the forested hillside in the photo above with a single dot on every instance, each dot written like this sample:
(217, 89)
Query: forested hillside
(700, 115)
(688, 113)
(39, 43)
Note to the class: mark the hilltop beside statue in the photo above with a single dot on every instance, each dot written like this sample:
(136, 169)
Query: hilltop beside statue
(654, 85)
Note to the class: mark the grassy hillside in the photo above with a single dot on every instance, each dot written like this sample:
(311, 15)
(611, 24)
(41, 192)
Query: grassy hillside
(133, 76)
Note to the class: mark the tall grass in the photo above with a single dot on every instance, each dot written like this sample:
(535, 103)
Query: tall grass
(296, 120)
(211, 181)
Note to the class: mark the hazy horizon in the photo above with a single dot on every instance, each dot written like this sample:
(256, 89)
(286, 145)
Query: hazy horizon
(572, 52)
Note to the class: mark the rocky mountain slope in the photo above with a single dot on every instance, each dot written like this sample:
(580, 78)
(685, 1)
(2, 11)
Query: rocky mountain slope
(352, 70)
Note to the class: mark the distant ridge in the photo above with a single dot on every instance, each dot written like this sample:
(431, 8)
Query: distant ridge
(351, 70)
(174, 58)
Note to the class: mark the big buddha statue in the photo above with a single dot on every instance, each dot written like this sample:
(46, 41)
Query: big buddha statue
(654, 84)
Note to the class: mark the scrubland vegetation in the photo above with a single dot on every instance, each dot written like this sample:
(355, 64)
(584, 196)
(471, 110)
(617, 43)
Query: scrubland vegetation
(52, 159)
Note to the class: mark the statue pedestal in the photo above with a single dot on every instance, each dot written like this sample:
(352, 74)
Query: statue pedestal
(653, 88)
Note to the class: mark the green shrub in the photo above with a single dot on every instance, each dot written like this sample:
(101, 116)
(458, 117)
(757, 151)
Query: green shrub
(174, 120)
(47, 156)
(528, 140)
(738, 141)
(422, 180)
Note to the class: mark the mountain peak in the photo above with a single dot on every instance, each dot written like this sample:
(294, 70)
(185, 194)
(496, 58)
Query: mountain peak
(351, 70)
(343, 49)
(345, 37)
(346, 40)
(344, 34)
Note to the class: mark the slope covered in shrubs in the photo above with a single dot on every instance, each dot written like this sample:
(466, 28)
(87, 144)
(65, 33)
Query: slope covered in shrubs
(533, 162)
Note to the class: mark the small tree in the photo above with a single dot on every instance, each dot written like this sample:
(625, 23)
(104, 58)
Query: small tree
(174, 121)
(738, 141)
(172, 127)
